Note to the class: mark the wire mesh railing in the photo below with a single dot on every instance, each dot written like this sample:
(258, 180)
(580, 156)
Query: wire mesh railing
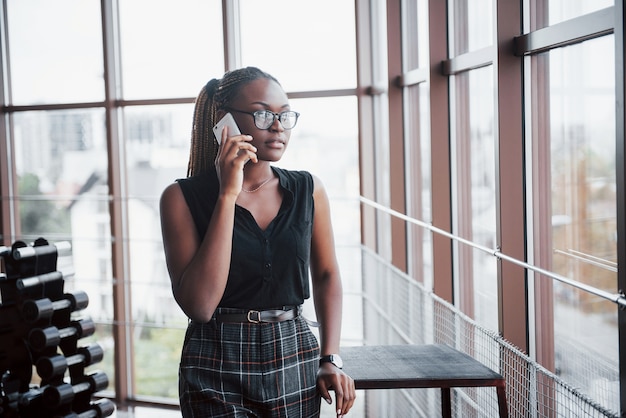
(399, 310)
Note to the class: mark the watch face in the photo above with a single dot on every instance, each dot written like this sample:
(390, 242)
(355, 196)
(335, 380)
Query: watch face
(336, 360)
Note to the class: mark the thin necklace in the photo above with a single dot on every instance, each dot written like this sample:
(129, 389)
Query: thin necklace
(258, 187)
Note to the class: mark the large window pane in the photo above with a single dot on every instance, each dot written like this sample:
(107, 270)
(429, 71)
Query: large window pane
(473, 25)
(56, 51)
(157, 150)
(475, 195)
(422, 33)
(306, 45)
(582, 212)
(63, 195)
(60, 161)
(418, 178)
(169, 49)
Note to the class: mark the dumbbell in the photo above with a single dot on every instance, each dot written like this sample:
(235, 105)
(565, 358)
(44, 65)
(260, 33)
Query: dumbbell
(59, 248)
(31, 397)
(42, 279)
(99, 409)
(34, 310)
(42, 338)
(48, 367)
(55, 396)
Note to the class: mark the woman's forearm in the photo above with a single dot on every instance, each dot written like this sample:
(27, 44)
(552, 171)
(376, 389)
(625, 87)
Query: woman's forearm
(328, 300)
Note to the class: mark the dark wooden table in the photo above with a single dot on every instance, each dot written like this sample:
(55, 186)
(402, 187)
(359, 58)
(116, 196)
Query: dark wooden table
(420, 366)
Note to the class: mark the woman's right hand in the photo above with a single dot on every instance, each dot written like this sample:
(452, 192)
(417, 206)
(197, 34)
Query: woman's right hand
(232, 156)
(330, 377)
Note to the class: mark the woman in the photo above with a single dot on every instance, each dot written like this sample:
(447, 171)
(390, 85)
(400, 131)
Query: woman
(239, 236)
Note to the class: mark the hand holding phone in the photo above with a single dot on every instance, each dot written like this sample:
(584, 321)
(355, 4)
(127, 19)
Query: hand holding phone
(229, 121)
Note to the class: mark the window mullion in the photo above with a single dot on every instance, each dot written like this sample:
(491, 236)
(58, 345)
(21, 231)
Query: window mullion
(124, 381)
(232, 35)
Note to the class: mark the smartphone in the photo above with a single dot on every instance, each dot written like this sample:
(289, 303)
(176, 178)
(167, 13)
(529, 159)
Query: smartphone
(229, 121)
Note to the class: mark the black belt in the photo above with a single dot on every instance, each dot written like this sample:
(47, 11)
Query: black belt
(256, 317)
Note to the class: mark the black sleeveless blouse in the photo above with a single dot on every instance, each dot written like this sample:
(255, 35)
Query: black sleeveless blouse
(269, 268)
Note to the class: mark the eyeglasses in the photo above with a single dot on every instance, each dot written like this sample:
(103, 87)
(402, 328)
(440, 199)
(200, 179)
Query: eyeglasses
(264, 119)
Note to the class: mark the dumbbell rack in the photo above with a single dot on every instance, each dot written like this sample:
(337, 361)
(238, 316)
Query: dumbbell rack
(40, 329)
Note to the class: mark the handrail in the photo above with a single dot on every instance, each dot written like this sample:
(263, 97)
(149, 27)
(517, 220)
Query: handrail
(617, 298)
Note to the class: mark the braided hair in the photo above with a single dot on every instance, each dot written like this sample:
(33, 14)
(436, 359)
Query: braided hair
(216, 95)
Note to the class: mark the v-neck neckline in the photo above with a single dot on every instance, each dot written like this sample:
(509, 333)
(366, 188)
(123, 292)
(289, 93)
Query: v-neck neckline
(287, 196)
(270, 226)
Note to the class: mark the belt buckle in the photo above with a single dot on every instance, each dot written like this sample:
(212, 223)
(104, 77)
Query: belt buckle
(252, 319)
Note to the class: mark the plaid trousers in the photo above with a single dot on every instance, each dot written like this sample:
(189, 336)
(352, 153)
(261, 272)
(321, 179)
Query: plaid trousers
(249, 370)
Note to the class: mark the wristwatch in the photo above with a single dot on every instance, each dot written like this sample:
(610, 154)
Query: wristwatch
(334, 359)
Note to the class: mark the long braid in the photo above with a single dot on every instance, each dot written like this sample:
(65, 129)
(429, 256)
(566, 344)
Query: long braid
(215, 96)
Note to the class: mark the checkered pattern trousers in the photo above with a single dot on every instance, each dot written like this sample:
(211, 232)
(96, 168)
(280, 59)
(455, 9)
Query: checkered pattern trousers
(249, 370)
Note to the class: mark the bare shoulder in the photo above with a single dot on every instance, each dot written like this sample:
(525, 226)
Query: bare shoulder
(170, 190)
(176, 219)
(171, 198)
(320, 197)
(318, 185)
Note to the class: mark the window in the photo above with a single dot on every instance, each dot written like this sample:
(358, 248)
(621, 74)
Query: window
(56, 57)
(474, 194)
(170, 51)
(575, 212)
(286, 40)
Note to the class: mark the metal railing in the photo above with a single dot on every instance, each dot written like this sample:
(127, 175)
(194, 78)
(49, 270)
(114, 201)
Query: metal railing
(399, 310)
(618, 298)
